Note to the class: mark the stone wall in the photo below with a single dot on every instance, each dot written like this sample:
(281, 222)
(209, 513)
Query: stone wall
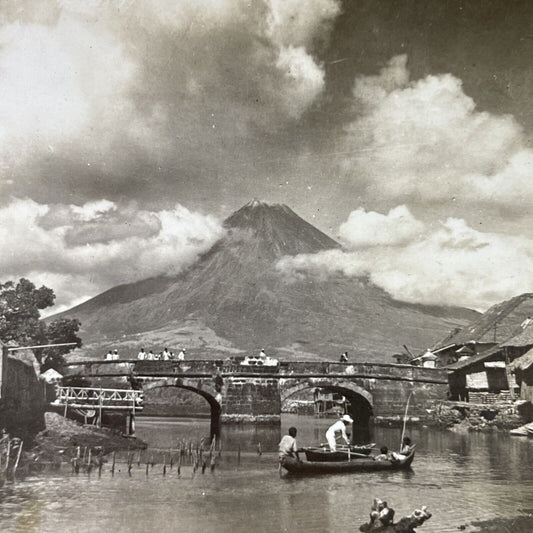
(465, 416)
(251, 400)
(22, 401)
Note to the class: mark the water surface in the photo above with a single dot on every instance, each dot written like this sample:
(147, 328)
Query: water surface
(459, 477)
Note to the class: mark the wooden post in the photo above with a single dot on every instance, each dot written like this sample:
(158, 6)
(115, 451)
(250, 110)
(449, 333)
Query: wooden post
(66, 403)
(113, 466)
(100, 408)
(17, 460)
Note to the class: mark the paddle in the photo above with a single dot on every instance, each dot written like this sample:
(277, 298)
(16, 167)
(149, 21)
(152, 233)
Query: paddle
(405, 419)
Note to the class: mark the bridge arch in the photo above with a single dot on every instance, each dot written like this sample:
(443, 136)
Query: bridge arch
(198, 386)
(361, 401)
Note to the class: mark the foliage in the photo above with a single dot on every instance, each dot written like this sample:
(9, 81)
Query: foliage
(19, 311)
(20, 321)
(61, 330)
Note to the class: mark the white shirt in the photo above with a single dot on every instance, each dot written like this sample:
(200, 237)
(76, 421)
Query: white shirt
(141, 356)
(338, 426)
(287, 446)
(181, 356)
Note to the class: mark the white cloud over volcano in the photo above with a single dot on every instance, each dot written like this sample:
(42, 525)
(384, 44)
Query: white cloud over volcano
(81, 251)
(451, 264)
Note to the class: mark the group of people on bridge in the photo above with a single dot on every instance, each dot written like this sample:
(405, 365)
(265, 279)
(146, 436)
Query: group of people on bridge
(165, 355)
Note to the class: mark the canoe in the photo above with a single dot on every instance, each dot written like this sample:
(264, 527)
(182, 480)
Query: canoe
(323, 454)
(367, 464)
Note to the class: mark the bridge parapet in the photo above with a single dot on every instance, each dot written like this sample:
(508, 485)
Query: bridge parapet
(204, 368)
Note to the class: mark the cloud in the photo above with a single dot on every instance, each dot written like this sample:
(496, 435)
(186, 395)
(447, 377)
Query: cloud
(425, 140)
(453, 264)
(373, 229)
(96, 95)
(81, 251)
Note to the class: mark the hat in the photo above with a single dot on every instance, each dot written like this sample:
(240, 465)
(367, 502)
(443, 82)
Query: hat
(347, 418)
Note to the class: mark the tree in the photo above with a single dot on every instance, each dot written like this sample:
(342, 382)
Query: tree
(60, 331)
(20, 306)
(20, 321)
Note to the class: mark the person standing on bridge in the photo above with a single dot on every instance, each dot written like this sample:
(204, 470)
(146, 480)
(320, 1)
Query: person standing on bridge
(339, 426)
(181, 355)
(142, 355)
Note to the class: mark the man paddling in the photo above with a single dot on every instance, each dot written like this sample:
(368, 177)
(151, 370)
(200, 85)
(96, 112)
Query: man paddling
(339, 426)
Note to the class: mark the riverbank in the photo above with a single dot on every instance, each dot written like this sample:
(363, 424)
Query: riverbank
(463, 417)
(63, 436)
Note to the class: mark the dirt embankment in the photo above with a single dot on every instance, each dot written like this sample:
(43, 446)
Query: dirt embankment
(63, 436)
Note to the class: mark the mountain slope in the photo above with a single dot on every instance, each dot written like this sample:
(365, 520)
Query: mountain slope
(235, 291)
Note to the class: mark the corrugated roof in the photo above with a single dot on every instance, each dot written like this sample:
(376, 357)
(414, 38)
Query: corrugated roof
(480, 358)
(498, 324)
(523, 338)
(523, 362)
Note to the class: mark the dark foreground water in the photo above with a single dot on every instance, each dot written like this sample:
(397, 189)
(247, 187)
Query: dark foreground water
(460, 478)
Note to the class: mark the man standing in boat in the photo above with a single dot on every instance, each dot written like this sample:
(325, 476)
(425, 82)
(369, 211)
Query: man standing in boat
(339, 426)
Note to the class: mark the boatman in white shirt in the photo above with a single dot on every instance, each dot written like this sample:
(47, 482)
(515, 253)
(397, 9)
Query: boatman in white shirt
(339, 426)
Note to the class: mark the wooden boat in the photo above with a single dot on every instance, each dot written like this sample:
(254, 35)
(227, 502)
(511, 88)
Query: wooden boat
(366, 464)
(323, 454)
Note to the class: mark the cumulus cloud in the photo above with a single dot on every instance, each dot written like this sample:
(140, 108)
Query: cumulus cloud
(81, 251)
(453, 264)
(425, 139)
(96, 94)
(372, 229)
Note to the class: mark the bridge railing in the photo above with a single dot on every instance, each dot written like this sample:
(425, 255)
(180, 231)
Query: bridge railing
(205, 368)
(91, 398)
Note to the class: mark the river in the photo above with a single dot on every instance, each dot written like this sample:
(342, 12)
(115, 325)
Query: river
(459, 477)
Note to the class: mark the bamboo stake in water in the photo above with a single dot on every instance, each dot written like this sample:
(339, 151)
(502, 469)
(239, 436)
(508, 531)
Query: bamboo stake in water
(17, 460)
(239, 453)
(113, 466)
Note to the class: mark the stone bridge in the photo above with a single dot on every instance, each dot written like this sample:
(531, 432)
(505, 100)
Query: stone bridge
(239, 393)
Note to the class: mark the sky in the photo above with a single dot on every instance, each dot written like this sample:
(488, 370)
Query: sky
(129, 130)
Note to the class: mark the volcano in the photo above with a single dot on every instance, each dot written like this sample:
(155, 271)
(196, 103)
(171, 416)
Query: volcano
(234, 299)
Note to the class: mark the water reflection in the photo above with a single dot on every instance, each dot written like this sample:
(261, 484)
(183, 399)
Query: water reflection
(460, 477)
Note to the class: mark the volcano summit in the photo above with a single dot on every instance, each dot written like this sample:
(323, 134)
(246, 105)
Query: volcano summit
(233, 298)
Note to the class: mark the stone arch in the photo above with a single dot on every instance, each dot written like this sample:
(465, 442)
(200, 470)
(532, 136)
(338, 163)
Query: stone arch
(198, 386)
(326, 383)
(361, 401)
